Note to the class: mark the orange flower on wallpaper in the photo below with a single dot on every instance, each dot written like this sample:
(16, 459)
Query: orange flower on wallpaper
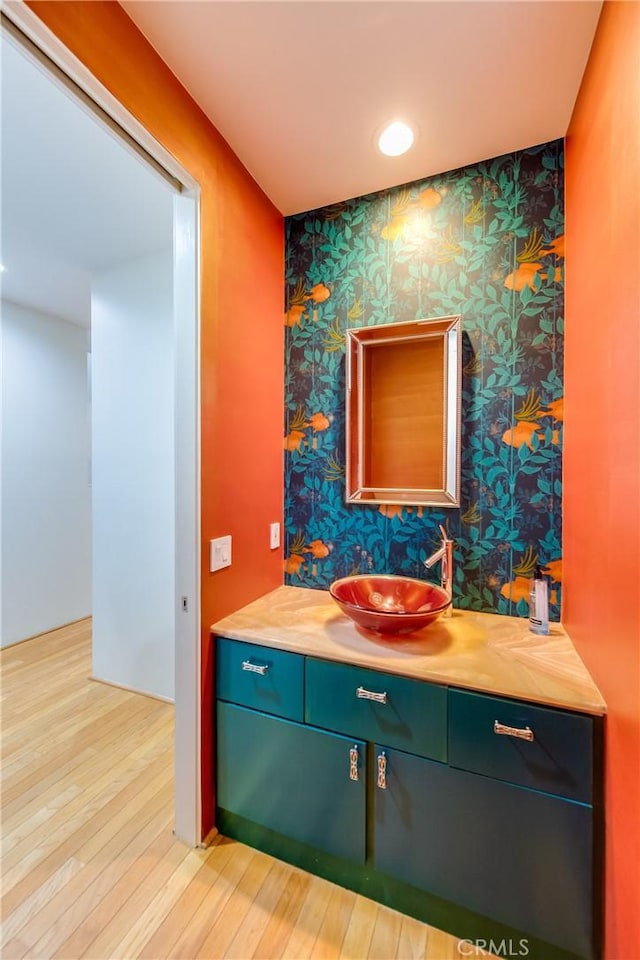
(521, 433)
(296, 436)
(428, 199)
(556, 247)
(517, 589)
(319, 422)
(404, 208)
(297, 302)
(555, 409)
(394, 228)
(319, 293)
(295, 560)
(525, 426)
(529, 265)
(294, 440)
(523, 277)
(318, 549)
(399, 213)
(293, 563)
(293, 316)
(554, 570)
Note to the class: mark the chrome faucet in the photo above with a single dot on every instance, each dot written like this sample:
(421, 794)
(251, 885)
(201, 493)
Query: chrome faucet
(444, 553)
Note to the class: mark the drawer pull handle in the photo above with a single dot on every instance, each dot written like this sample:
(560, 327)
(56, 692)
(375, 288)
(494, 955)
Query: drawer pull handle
(260, 668)
(382, 771)
(523, 733)
(363, 694)
(353, 762)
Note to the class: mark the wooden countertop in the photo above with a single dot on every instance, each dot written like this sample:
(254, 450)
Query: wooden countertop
(479, 651)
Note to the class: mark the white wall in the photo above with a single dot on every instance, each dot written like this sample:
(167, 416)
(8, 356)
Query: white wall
(132, 349)
(46, 499)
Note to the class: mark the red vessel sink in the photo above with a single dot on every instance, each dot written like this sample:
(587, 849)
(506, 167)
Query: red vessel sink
(389, 604)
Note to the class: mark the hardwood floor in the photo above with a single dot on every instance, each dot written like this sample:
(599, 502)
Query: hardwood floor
(89, 864)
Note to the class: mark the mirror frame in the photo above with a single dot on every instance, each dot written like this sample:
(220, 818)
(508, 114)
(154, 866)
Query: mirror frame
(358, 341)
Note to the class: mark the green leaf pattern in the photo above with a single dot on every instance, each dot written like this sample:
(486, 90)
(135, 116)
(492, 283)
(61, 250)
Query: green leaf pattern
(484, 241)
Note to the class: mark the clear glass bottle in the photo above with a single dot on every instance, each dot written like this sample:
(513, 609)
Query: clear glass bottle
(539, 603)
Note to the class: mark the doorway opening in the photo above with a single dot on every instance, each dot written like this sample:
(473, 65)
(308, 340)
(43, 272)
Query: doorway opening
(156, 352)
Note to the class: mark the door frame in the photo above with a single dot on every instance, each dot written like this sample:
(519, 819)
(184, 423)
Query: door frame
(66, 70)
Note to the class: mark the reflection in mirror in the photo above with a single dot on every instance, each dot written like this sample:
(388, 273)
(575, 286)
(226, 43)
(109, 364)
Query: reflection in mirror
(403, 412)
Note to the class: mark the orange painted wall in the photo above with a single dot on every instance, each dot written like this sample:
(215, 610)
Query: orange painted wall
(242, 269)
(601, 594)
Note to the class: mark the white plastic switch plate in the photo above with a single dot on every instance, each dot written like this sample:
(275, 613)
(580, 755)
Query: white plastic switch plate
(274, 535)
(220, 553)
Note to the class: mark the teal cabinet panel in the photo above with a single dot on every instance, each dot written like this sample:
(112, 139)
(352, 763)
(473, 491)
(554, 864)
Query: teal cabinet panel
(405, 789)
(293, 779)
(259, 677)
(413, 826)
(558, 759)
(520, 857)
(413, 718)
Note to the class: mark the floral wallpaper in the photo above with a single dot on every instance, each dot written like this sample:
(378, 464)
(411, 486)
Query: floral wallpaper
(485, 241)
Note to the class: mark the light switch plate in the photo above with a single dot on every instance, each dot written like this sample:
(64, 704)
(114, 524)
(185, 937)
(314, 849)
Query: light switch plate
(220, 555)
(274, 535)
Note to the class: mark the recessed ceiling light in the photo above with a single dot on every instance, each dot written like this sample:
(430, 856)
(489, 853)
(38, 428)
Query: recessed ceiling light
(395, 139)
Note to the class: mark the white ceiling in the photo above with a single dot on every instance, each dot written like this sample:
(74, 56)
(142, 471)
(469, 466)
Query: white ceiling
(74, 199)
(299, 87)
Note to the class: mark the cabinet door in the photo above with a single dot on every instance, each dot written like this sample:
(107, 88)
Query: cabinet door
(518, 856)
(304, 783)
(413, 829)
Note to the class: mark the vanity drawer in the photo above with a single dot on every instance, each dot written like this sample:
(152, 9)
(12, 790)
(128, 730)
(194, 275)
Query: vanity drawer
(413, 716)
(542, 748)
(261, 678)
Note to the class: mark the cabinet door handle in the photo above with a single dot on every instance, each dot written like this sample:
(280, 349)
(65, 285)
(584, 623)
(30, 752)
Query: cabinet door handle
(260, 668)
(363, 694)
(522, 733)
(382, 771)
(353, 762)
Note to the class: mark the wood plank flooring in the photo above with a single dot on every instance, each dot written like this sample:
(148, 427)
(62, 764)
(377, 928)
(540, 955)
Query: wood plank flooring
(89, 864)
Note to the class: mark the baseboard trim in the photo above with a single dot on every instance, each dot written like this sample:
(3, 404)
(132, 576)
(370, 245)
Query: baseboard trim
(212, 838)
(127, 689)
(44, 633)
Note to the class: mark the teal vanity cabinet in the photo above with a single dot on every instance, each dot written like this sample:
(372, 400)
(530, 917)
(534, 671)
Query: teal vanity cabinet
(305, 783)
(518, 856)
(414, 820)
(530, 808)
(478, 814)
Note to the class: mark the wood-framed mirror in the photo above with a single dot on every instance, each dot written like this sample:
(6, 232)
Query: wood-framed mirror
(403, 398)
